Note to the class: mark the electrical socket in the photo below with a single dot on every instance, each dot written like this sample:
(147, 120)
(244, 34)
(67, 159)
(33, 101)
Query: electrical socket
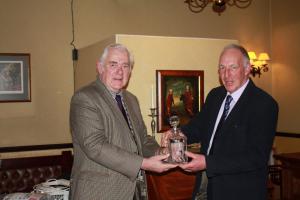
(75, 54)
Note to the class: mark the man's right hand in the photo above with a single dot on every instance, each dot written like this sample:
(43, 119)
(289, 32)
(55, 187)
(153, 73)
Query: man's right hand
(157, 164)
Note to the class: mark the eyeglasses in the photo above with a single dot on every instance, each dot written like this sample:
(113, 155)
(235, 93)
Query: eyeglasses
(115, 65)
(232, 67)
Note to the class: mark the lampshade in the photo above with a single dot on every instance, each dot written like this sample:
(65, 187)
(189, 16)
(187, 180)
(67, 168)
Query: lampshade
(258, 65)
(263, 57)
(252, 55)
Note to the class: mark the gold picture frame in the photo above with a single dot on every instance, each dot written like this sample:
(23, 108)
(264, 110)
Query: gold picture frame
(179, 92)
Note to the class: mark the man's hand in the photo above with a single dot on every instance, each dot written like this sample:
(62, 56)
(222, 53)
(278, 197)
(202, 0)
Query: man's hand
(157, 164)
(197, 163)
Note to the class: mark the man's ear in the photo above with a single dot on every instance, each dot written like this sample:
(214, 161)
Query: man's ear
(248, 69)
(99, 67)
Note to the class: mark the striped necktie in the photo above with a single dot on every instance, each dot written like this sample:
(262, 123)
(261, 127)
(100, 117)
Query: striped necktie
(120, 105)
(225, 111)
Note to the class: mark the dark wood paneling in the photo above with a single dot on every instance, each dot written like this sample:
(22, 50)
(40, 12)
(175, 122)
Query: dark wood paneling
(285, 134)
(35, 147)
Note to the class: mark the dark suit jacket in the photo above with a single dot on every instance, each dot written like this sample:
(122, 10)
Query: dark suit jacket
(106, 162)
(238, 167)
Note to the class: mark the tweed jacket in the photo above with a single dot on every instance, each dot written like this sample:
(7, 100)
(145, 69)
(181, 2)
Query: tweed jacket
(238, 167)
(106, 159)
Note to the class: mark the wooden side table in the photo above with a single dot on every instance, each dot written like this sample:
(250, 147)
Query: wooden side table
(290, 175)
(172, 185)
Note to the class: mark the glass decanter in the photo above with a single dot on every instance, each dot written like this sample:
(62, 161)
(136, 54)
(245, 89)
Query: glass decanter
(177, 143)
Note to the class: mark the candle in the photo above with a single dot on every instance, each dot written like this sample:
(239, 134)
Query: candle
(152, 96)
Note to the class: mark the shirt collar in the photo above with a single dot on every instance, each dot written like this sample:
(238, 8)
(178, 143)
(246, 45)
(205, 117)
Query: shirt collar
(237, 94)
(113, 94)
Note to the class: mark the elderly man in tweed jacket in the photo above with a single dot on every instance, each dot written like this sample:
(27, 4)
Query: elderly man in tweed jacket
(111, 145)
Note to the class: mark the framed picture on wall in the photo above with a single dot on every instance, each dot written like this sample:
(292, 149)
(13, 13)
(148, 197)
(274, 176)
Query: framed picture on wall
(179, 92)
(15, 77)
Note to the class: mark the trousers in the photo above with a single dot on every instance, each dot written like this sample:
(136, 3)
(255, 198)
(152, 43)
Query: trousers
(202, 192)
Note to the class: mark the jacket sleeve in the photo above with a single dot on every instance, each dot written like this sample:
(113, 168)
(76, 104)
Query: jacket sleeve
(197, 126)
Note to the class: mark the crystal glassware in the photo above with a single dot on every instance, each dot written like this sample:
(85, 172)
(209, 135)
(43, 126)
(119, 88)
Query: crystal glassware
(177, 142)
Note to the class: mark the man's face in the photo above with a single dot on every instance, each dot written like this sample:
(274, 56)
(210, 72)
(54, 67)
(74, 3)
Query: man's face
(115, 71)
(232, 71)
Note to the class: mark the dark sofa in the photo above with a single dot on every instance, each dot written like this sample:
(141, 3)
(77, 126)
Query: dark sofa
(21, 174)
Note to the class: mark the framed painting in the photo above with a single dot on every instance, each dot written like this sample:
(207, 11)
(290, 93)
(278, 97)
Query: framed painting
(15, 77)
(179, 92)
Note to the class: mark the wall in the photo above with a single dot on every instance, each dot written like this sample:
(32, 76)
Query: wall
(43, 29)
(85, 67)
(98, 20)
(285, 63)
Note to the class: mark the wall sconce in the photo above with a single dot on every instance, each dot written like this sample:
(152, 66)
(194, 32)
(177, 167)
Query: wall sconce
(258, 65)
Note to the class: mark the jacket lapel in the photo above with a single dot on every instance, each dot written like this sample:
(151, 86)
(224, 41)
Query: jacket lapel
(111, 102)
(133, 119)
(216, 107)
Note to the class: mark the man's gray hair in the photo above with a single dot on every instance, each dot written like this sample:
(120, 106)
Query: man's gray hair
(241, 49)
(120, 47)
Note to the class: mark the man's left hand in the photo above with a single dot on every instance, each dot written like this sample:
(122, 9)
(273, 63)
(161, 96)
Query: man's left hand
(197, 163)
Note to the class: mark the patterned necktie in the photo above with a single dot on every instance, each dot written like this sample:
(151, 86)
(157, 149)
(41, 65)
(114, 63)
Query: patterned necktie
(221, 122)
(225, 111)
(120, 105)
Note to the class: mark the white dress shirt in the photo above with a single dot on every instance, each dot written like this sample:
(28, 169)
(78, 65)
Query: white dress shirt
(235, 97)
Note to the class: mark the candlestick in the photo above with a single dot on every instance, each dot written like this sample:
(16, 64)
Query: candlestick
(152, 96)
(153, 124)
